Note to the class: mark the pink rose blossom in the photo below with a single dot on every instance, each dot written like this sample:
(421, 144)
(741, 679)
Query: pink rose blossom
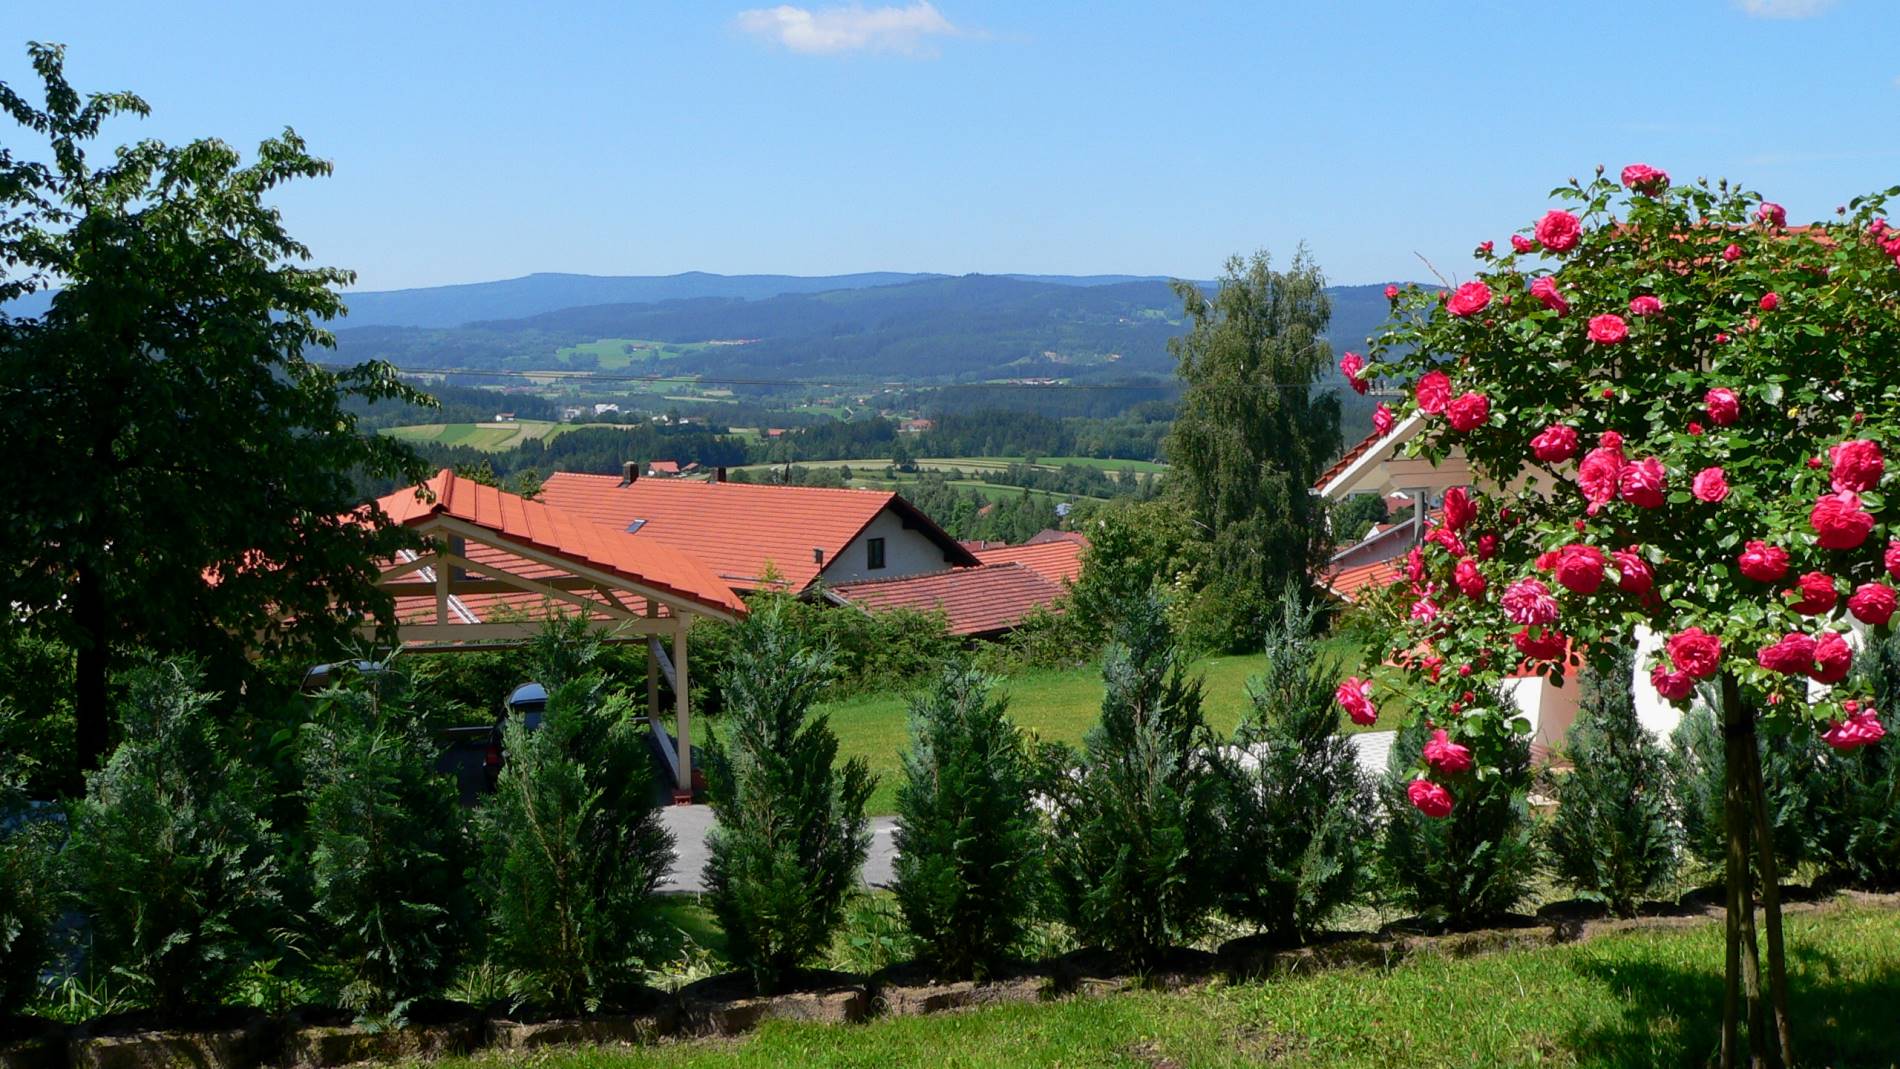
(1764, 563)
(1818, 596)
(1429, 798)
(1353, 366)
(1732, 253)
(1792, 655)
(1544, 645)
(1522, 243)
(1833, 657)
(1391, 292)
(1695, 651)
(1468, 411)
(1723, 406)
(1610, 440)
(1487, 546)
(1469, 299)
(1559, 231)
(1710, 485)
(1642, 178)
(1444, 536)
(1673, 686)
(1645, 306)
(1459, 508)
(1445, 756)
(1434, 392)
(1633, 574)
(1858, 465)
(1608, 329)
(1579, 568)
(1890, 559)
(1642, 483)
(1598, 476)
(1695, 429)
(1772, 214)
(1554, 443)
(1425, 610)
(1545, 290)
(1469, 580)
(1861, 728)
(1770, 301)
(1872, 603)
(1839, 521)
(1529, 601)
(1382, 419)
(1355, 696)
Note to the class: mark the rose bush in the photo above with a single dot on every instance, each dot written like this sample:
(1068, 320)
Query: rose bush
(1787, 477)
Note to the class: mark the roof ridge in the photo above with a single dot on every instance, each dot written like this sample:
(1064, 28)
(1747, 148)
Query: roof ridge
(942, 572)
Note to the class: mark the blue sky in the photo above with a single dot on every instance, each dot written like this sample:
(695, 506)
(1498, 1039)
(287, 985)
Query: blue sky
(476, 141)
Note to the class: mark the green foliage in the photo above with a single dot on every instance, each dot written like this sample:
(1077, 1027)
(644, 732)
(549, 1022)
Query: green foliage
(1136, 843)
(1858, 837)
(1614, 836)
(36, 687)
(1296, 814)
(1350, 518)
(1472, 866)
(1797, 772)
(868, 651)
(170, 860)
(387, 847)
(791, 834)
(573, 846)
(29, 886)
(1138, 547)
(969, 843)
(1251, 434)
(167, 423)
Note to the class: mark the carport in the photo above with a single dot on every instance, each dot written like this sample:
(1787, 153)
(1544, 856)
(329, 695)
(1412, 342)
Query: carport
(497, 565)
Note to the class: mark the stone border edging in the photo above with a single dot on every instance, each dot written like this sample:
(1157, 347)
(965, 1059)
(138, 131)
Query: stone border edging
(268, 1042)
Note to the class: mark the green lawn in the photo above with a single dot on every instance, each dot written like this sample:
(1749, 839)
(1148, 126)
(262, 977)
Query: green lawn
(1641, 999)
(1059, 706)
(488, 437)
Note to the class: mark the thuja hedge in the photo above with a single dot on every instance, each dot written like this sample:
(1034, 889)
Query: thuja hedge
(379, 890)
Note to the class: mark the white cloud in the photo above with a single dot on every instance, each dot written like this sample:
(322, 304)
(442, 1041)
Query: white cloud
(907, 31)
(1783, 9)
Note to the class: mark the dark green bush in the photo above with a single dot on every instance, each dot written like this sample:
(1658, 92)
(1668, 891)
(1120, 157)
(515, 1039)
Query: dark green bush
(170, 860)
(791, 835)
(1859, 840)
(1296, 814)
(1614, 836)
(572, 843)
(1472, 866)
(29, 891)
(869, 651)
(1799, 776)
(1136, 846)
(969, 842)
(387, 849)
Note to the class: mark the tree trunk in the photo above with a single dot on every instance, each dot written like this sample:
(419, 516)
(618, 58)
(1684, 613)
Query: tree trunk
(1771, 909)
(92, 668)
(1749, 831)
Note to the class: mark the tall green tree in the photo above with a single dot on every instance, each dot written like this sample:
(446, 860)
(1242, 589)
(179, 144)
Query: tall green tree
(181, 467)
(1251, 434)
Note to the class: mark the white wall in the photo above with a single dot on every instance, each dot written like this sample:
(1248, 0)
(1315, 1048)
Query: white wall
(906, 552)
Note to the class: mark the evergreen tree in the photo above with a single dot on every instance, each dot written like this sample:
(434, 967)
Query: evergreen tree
(574, 845)
(1614, 837)
(387, 847)
(791, 833)
(1136, 838)
(969, 842)
(1251, 434)
(29, 891)
(1467, 868)
(1296, 812)
(172, 864)
(1798, 778)
(1860, 840)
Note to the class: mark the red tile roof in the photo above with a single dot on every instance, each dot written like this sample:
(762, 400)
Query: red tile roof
(664, 467)
(1050, 534)
(1346, 459)
(537, 525)
(1346, 583)
(975, 601)
(738, 529)
(1059, 562)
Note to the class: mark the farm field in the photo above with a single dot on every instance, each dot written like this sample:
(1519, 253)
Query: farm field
(978, 464)
(619, 354)
(489, 437)
(1619, 1001)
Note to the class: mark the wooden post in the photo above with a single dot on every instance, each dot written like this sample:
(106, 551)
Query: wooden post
(441, 592)
(653, 671)
(683, 725)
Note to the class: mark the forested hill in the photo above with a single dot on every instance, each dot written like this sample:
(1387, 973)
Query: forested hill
(930, 328)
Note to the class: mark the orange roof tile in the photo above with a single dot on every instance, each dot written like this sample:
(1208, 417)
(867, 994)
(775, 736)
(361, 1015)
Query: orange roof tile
(1050, 534)
(740, 528)
(550, 529)
(975, 601)
(1346, 459)
(1058, 562)
(1346, 583)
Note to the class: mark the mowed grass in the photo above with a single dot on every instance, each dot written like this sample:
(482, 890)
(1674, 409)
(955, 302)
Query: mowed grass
(1055, 706)
(1638, 999)
(488, 437)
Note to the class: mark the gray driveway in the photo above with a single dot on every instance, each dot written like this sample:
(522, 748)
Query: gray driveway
(690, 823)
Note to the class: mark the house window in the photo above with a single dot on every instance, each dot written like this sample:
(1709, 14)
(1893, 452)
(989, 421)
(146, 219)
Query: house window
(874, 549)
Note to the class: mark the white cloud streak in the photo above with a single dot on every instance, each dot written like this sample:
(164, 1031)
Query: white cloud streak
(907, 31)
(1783, 9)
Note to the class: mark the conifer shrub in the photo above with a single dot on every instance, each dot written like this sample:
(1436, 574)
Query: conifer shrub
(572, 845)
(1859, 840)
(387, 846)
(969, 840)
(171, 862)
(1471, 866)
(1136, 842)
(1796, 769)
(791, 833)
(1296, 813)
(1614, 836)
(29, 889)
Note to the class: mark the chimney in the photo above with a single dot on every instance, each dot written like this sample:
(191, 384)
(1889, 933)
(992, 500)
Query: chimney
(629, 472)
(719, 474)
(817, 555)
